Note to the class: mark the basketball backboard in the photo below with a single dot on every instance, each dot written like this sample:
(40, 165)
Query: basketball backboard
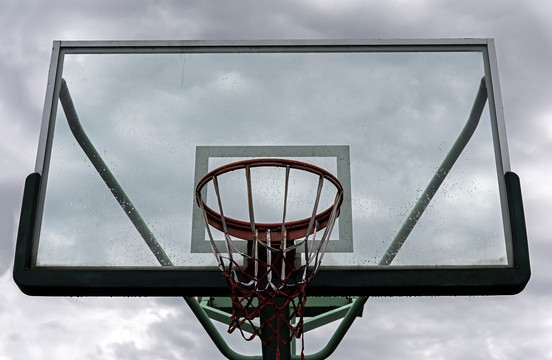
(413, 130)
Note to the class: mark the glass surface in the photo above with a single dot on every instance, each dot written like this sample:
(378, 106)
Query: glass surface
(398, 112)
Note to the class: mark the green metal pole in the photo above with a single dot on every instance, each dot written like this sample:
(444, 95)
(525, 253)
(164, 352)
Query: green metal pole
(213, 332)
(272, 327)
(107, 176)
(339, 333)
(439, 176)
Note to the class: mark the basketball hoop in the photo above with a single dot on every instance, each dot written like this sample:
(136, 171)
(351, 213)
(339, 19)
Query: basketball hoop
(269, 270)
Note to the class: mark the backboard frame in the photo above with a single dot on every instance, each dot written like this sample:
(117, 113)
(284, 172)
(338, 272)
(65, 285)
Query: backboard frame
(167, 281)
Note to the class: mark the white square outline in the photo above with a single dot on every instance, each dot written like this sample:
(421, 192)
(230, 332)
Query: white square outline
(344, 243)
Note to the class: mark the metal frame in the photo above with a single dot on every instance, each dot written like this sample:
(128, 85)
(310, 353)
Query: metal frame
(346, 309)
(59, 48)
(172, 281)
(175, 281)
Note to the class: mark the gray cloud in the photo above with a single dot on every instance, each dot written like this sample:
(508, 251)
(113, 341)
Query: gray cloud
(437, 328)
(10, 195)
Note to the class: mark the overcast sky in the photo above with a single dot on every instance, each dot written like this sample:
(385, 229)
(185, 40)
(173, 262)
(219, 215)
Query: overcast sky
(517, 327)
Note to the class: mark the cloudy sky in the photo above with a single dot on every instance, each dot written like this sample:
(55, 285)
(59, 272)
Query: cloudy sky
(517, 327)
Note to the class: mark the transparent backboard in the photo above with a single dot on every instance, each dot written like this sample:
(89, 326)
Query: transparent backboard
(388, 119)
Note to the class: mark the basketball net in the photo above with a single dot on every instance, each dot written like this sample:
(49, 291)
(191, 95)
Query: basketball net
(269, 280)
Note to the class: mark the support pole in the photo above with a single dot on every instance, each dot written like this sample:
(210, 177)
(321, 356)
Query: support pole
(108, 177)
(272, 327)
(439, 176)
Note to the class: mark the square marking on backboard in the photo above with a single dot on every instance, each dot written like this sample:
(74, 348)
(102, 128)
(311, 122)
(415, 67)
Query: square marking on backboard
(341, 240)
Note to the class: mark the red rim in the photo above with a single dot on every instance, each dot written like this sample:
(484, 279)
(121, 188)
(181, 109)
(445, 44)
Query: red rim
(242, 229)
